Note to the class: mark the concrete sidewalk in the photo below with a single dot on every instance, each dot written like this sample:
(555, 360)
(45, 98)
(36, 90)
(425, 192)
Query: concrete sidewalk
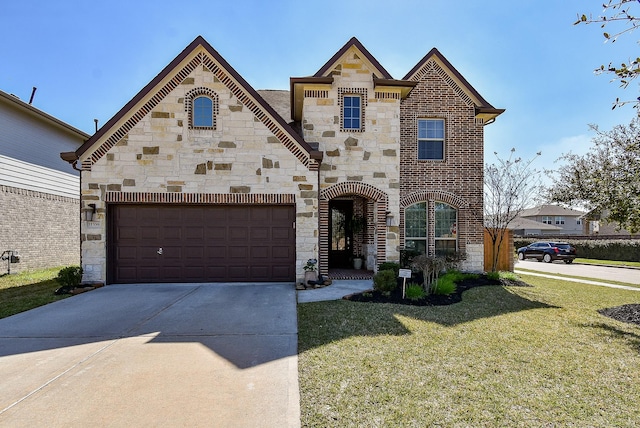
(221, 355)
(583, 281)
(336, 291)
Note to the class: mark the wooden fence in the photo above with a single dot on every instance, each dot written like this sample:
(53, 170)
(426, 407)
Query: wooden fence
(505, 256)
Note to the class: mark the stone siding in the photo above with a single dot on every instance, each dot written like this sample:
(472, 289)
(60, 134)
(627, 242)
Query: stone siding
(161, 154)
(369, 155)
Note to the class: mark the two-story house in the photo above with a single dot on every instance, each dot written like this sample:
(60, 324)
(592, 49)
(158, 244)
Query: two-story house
(39, 193)
(198, 178)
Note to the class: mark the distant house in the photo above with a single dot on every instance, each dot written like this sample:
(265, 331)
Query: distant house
(596, 224)
(39, 192)
(524, 227)
(565, 221)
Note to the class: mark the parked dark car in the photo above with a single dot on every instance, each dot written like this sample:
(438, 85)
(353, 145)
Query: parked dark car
(548, 252)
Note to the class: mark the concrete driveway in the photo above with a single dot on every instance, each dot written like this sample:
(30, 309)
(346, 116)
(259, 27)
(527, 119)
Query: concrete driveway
(214, 355)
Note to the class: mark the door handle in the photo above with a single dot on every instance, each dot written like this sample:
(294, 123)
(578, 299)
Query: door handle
(159, 251)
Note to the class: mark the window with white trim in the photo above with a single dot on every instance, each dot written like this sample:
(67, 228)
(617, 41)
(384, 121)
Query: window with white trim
(559, 220)
(351, 112)
(547, 219)
(430, 139)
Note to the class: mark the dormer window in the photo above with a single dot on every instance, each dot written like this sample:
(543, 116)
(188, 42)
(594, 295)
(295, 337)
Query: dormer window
(201, 105)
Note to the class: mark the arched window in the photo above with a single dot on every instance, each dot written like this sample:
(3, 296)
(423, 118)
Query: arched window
(201, 105)
(202, 112)
(444, 234)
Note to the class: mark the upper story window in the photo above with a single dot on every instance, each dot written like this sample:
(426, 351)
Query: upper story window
(547, 219)
(559, 220)
(430, 139)
(201, 105)
(202, 112)
(578, 221)
(352, 102)
(351, 112)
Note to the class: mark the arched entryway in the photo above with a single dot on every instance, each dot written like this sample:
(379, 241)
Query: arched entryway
(352, 223)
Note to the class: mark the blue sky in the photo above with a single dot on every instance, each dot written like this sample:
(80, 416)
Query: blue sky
(88, 59)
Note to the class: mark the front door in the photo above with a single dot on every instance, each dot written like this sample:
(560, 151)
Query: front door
(340, 234)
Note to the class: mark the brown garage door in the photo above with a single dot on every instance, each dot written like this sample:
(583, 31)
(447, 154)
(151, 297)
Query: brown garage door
(201, 243)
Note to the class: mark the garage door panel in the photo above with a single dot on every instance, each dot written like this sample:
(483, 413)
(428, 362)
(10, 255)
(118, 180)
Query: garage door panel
(201, 243)
(238, 253)
(238, 233)
(284, 233)
(260, 233)
(213, 233)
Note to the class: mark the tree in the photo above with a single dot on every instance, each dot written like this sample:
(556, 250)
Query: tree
(617, 11)
(607, 178)
(510, 186)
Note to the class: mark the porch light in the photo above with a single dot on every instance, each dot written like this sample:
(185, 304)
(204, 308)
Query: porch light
(390, 219)
(89, 212)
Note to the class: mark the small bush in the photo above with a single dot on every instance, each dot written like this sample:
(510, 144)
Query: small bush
(406, 257)
(414, 291)
(493, 275)
(70, 277)
(445, 285)
(395, 267)
(385, 281)
(508, 275)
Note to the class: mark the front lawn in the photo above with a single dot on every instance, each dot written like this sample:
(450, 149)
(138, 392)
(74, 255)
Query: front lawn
(504, 356)
(23, 291)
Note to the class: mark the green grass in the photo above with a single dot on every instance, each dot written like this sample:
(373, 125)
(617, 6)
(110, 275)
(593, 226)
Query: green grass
(607, 262)
(504, 356)
(606, 281)
(23, 291)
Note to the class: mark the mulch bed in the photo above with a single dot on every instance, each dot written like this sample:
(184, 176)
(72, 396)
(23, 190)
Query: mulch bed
(626, 313)
(432, 299)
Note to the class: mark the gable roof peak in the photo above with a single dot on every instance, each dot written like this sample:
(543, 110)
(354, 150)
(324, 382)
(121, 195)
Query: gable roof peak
(353, 41)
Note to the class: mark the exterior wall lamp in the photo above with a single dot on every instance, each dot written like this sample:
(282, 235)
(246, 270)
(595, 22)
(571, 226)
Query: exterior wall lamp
(89, 212)
(390, 219)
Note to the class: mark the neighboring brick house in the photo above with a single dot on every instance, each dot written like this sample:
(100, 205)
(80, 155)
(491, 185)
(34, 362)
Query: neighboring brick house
(39, 193)
(199, 179)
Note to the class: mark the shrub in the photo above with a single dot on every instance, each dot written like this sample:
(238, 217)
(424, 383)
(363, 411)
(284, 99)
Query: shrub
(395, 267)
(414, 291)
(385, 281)
(444, 285)
(70, 276)
(406, 257)
(493, 275)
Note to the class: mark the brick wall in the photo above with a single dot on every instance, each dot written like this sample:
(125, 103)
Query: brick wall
(44, 228)
(458, 179)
